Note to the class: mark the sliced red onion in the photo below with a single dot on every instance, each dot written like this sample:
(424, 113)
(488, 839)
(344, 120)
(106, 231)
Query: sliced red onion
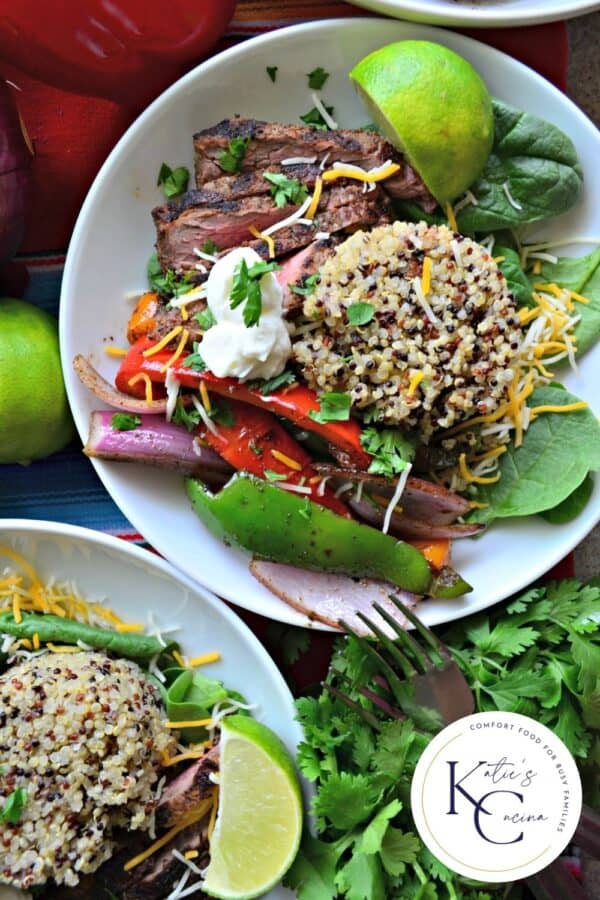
(103, 389)
(421, 499)
(404, 526)
(155, 442)
(15, 175)
(330, 598)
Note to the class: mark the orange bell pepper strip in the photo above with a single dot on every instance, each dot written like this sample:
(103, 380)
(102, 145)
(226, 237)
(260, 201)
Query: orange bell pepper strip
(436, 552)
(293, 403)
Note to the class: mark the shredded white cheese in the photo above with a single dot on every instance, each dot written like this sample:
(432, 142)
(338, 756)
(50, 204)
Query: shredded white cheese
(395, 498)
(545, 257)
(298, 160)
(198, 293)
(514, 203)
(172, 386)
(418, 286)
(331, 123)
(343, 488)
(322, 236)
(289, 220)
(201, 268)
(207, 421)
(294, 488)
(187, 862)
(202, 255)
(323, 162)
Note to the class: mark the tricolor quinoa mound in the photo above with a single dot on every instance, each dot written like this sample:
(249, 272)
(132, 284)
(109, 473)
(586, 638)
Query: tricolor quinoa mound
(443, 331)
(83, 734)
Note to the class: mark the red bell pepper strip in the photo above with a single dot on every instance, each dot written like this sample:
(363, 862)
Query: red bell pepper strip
(257, 443)
(293, 403)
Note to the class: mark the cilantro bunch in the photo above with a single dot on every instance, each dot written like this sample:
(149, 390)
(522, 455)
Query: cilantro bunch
(539, 656)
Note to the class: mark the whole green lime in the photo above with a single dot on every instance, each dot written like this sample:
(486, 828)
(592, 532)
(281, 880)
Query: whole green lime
(34, 414)
(432, 105)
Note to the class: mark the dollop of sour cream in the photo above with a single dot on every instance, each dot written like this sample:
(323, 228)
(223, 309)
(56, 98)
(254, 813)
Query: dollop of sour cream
(229, 348)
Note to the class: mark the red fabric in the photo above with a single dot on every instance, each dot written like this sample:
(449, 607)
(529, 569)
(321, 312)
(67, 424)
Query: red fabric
(73, 135)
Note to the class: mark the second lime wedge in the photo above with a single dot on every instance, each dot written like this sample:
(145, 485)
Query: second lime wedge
(259, 822)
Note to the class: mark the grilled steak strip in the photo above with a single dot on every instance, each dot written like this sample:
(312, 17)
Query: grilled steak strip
(252, 184)
(184, 792)
(189, 222)
(271, 142)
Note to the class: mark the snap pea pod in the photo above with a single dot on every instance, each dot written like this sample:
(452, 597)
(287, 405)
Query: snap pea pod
(284, 527)
(141, 647)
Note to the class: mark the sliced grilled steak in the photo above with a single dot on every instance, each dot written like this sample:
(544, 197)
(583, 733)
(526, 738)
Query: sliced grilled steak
(271, 142)
(187, 789)
(300, 266)
(251, 184)
(192, 220)
(166, 318)
(183, 226)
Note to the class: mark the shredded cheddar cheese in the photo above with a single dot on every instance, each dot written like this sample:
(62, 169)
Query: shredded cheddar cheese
(470, 477)
(316, 197)
(264, 237)
(191, 723)
(180, 348)
(205, 658)
(355, 172)
(175, 332)
(189, 819)
(286, 460)
(415, 381)
(451, 217)
(426, 276)
(63, 648)
(115, 351)
(179, 659)
(129, 627)
(550, 408)
(143, 376)
(204, 396)
(191, 854)
(168, 761)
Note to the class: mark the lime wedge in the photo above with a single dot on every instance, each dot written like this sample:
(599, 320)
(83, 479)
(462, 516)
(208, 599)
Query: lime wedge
(259, 822)
(433, 105)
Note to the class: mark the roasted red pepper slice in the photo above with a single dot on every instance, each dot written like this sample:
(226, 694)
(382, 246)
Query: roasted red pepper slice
(256, 443)
(294, 403)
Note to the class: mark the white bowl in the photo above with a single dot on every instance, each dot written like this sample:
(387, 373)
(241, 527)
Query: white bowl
(481, 13)
(114, 237)
(135, 583)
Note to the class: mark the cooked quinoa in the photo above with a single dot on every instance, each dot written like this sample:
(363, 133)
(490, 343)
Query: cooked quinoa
(428, 359)
(83, 734)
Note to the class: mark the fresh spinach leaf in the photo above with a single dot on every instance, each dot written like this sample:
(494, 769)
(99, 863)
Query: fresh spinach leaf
(557, 452)
(572, 505)
(516, 279)
(534, 163)
(333, 407)
(580, 274)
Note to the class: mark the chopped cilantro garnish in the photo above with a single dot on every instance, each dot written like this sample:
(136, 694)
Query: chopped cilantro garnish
(246, 287)
(209, 247)
(360, 313)
(334, 407)
(167, 284)
(258, 451)
(371, 126)
(13, 806)
(174, 181)
(308, 286)
(125, 421)
(270, 475)
(286, 190)
(317, 78)
(205, 319)
(390, 448)
(306, 511)
(230, 160)
(272, 72)
(314, 117)
(269, 385)
(194, 360)
(188, 417)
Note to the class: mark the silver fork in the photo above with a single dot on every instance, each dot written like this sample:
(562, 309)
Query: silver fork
(417, 674)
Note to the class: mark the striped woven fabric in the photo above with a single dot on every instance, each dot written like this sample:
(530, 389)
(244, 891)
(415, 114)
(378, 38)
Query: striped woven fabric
(70, 147)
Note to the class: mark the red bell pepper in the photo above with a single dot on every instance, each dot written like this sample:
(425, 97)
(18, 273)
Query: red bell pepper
(293, 403)
(255, 442)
